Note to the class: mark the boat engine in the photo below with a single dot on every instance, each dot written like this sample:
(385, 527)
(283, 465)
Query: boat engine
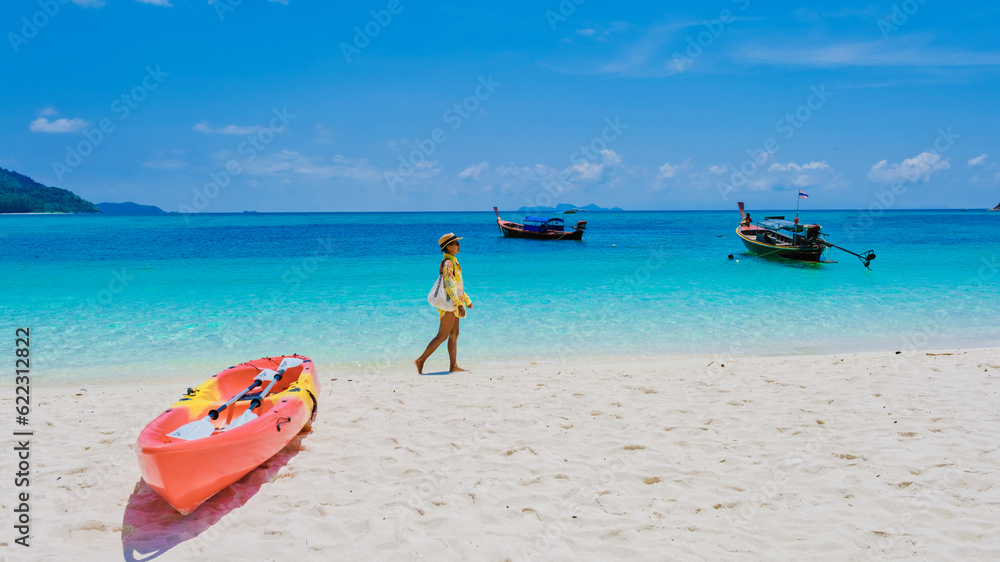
(581, 225)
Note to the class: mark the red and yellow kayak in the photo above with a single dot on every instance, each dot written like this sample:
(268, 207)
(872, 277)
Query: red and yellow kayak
(186, 472)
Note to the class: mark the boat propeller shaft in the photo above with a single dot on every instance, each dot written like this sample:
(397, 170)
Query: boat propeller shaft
(866, 258)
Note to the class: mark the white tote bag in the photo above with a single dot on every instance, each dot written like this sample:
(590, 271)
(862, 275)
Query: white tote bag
(438, 297)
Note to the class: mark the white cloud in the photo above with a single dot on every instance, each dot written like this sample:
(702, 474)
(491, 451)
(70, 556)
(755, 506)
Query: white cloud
(90, 3)
(793, 167)
(288, 163)
(540, 181)
(324, 134)
(62, 125)
(913, 169)
(671, 176)
(165, 3)
(227, 130)
(426, 169)
(791, 174)
(989, 176)
(599, 33)
(668, 171)
(587, 171)
(323, 130)
(511, 179)
(642, 52)
(537, 171)
(293, 162)
(900, 52)
(611, 157)
(718, 170)
(48, 111)
(474, 171)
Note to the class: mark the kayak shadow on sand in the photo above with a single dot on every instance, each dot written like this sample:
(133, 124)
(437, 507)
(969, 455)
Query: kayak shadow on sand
(151, 526)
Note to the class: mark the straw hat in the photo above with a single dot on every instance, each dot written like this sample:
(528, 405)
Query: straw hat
(447, 239)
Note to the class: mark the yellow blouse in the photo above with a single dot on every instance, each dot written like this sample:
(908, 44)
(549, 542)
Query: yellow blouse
(451, 271)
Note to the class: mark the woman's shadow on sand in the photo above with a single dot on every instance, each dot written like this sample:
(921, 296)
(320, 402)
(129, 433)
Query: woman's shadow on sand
(151, 526)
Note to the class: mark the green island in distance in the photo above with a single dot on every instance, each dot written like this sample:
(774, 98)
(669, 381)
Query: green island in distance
(21, 194)
(563, 207)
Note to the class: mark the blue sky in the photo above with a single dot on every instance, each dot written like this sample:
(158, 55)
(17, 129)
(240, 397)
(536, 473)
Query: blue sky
(398, 105)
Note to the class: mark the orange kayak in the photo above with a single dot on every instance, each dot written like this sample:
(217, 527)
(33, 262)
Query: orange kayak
(188, 470)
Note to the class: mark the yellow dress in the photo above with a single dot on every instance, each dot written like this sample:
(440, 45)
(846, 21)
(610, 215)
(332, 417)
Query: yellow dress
(451, 271)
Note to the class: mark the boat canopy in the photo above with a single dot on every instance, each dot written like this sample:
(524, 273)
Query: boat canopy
(778, 224)
(543, 225)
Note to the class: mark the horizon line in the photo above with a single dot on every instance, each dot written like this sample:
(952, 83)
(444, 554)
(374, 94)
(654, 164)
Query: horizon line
(763, 209)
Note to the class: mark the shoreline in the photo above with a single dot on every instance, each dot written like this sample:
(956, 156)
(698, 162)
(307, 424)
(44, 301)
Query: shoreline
(852, 455)
(194, 372)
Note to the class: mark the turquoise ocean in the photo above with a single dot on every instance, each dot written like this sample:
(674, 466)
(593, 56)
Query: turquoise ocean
(141, 298)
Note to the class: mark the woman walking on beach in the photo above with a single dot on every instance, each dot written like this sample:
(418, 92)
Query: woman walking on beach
(451, 273)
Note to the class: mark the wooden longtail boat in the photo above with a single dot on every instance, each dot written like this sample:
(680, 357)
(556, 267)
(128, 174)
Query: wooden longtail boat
(540, 228)
(777, 237)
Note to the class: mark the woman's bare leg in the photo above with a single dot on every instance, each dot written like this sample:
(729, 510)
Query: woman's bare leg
(444, 331)
(453, 348)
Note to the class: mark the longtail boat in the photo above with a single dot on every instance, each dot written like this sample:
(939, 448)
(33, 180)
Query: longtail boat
(777, 237)
(540, 228)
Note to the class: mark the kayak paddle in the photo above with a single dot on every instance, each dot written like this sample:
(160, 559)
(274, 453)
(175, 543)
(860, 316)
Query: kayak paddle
(204, 427)
(248, 415)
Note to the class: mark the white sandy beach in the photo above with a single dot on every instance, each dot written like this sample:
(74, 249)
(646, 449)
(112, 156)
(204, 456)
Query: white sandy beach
(867, 456)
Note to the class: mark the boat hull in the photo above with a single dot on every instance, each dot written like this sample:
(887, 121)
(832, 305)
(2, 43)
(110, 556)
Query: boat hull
(809, 253)
(513, 230)
(186, 473)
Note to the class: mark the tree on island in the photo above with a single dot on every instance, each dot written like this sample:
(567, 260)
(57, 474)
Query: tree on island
(21, 194)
